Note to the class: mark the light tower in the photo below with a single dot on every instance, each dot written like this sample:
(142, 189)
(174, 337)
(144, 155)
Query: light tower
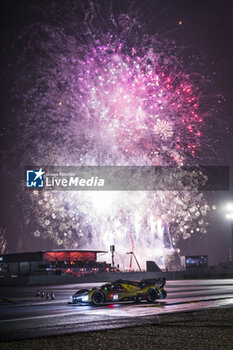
(229, 216)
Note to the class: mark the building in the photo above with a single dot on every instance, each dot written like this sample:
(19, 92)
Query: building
(53, 262)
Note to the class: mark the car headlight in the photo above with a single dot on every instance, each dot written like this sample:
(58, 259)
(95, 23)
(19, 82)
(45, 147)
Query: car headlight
(85, 297)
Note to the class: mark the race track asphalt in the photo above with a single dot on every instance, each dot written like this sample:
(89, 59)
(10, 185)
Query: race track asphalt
(24, 315)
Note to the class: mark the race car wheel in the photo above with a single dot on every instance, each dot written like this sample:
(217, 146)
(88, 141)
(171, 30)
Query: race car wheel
(151, 295)
(97, 298)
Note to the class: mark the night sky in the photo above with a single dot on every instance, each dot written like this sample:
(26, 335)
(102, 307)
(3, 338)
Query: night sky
(203, 34)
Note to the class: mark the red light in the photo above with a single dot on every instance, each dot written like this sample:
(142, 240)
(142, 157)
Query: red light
(68, 256)
(111, 296)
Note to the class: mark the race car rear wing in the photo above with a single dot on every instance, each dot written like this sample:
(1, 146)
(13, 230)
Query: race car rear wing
(157, 282)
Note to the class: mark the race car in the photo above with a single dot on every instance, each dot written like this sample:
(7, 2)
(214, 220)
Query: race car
(121, 290)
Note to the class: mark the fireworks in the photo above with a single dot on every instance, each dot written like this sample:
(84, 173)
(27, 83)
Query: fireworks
(93, 96)
(163, 129)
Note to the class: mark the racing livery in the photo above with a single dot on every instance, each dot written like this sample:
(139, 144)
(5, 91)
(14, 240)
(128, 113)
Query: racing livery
(121, 290)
